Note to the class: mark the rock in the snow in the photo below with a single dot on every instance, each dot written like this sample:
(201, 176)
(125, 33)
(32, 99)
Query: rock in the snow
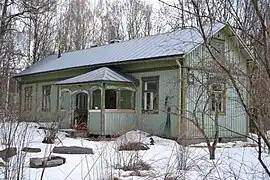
(7, 153)
(53, 161)
(31, 150)
(133, 146)
(36, 162)
(72, 150)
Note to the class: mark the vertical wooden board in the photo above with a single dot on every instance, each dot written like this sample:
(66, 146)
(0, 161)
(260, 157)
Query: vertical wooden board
(94, 126)
(235, 118)
(168, 86)
(119, 122)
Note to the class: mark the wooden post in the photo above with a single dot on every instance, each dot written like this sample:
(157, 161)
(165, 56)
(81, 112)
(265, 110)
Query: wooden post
(102, 119)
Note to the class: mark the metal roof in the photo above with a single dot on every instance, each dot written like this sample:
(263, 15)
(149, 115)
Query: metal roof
(173, 43)
(101, 74)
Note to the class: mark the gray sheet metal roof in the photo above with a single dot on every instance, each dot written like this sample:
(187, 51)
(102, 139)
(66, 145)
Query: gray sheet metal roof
(101, 74)
(173, 43)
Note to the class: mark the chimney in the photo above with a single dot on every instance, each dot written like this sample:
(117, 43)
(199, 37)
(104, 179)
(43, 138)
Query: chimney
(94, 45)
(114, 41)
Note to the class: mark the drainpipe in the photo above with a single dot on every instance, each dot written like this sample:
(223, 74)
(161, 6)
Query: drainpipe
(181, 101)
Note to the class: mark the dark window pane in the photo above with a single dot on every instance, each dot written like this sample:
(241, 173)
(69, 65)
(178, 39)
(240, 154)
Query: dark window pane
(126, 99)
(151, 86)
(110, 99)
(96, 97)
(148, 101)
(81, 101)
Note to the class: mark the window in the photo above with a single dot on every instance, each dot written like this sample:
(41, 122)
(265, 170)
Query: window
(46, 92)
(65, 100)
(110, 99)
(150, 94)
(127, 100)
(217, 99)
(28, 98)
(81, 101)
(96, 99)
(190, 77)
(114, 99)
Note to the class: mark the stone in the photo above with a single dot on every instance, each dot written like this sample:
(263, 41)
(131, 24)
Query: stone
(72, 150)
(31, 150)
(133, 146)
(53, 161)
(7, 153)
(36, 162)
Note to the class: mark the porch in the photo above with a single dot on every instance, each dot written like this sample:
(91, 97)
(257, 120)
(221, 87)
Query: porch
(101, 102)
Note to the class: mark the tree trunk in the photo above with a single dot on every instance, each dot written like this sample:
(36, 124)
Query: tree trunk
(212, 152)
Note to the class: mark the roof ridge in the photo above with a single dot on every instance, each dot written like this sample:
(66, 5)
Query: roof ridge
(128, 40)
(105, 72)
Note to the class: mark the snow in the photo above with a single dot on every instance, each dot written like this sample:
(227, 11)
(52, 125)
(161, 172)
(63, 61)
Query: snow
(234, 160)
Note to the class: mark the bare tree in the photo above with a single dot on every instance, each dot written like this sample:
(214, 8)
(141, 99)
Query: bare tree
(250, 20)
(138, 18)
(39, 30)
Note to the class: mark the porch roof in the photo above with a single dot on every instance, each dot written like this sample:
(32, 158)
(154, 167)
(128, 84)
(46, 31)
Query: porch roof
(101, 74)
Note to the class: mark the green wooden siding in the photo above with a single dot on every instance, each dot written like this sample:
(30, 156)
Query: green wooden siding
(168, 86)
(153, 123)
(234, 117)
(36, 113)
(119, 122)
(94, 121)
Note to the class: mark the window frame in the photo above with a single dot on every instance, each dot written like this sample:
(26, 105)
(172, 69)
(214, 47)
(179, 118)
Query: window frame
(62, 97)
(81, 101)
(132, 99)
(92, 99)
(118, 91)
(222, 110)
(28, 98)
(155, 109)
(46, 107)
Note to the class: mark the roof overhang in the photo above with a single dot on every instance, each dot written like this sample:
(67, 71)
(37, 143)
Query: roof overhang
(103, 74)
(104, 65)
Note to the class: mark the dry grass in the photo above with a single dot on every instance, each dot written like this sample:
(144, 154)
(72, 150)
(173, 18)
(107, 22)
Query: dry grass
(133, 146)
(136, 166)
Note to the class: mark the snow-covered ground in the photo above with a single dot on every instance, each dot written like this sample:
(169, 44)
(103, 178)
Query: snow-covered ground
(166, 158)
